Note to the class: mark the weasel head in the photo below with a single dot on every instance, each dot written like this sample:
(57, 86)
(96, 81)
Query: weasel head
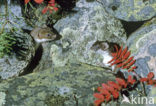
(103, 48)
(43, 34)
(100, 45)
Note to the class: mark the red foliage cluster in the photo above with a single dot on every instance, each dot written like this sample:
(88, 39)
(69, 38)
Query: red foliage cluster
(122, 60)
(37, 1)
(51, 5)
(111, 90)
(149, 80)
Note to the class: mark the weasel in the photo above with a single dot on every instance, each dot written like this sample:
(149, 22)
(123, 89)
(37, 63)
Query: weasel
(43, 34)
(105, 49)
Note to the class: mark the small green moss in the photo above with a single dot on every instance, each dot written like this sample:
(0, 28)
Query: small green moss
(56, 100)
(6, 43)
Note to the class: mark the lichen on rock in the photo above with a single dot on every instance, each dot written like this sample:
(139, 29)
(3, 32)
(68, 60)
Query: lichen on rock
(20, 60)
(82, 29)
(131, 10)
(142, 45)
(2, 98)
(60, 86)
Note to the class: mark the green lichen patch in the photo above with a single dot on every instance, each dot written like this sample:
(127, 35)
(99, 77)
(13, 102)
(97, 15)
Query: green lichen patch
(69, 85)
(55, 100)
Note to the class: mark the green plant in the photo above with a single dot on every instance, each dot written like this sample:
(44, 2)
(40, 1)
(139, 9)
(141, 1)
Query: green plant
(6, 43)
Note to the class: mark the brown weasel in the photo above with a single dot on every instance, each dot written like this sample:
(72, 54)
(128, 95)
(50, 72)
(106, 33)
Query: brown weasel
(42, 34)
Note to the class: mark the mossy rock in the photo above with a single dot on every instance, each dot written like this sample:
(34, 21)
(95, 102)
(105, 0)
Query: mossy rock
(131, 10)
(63, 86)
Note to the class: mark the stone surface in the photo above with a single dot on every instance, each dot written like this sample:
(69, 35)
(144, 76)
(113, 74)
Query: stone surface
(71, 82)
(80, 30)
(19, 61)
(131, 10)
(14, 15)
(142, 46)
(152, 94)
(134, 37)
(16, 65)
(43, 58)
(66, 86)
(24, 49)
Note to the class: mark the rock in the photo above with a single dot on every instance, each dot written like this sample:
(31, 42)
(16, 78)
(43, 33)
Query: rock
(146, 28)
(152, 95)
(131, 10)
(64, 86)
(80, 30)
(24, 50)
(19, 61)
(24, 60)
(14, 14)
(43, 57)
(142, 45)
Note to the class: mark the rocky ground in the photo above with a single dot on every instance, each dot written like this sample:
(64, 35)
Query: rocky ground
(66, 72)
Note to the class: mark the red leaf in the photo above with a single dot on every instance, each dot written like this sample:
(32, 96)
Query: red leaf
(150, 82)
(150, 75)
(116, 48)
(131, 63)
(26, 1)
(55, 8)
(114, 54)
(122, 60)
(51, 1)
(127, 55)
(123, 52)
(109, 88)
(112, 59)
(119, 53)
(99, 89)
(125, 67)
(143, 79)
(114, 85)
(50, 10)
(154, 81)
(134, 67)
(44, 10)
(105, 86)
(51, 4)
(115, 94)
(39, 1)
(116, 62)
(98, 102)
(108, 98)
(98, 96)
(131, 80)
(105, 92)
(120, 65)
(121, 82)
(124, 63)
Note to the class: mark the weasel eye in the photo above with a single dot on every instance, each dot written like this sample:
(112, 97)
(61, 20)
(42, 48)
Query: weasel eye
(48, 34)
